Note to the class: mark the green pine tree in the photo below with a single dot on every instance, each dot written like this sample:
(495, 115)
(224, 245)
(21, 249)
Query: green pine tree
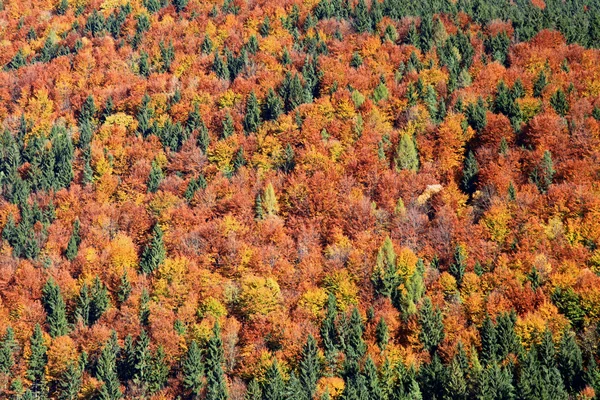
(216, 388)
(124, 289)
(54, 305)
(458, 267)
(407, 156)
(37, 358)
(106, 370)
(310, 369)
(470, 173)
(193, 370)
(155, 178)
(74, 241)
(432, 326)
(273, 386)
(252, 117)
(559, 102)
(154, 254)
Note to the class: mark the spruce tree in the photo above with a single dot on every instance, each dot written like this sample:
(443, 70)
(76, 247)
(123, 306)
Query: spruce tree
(570, 363)
(272, 107)
(37, 358)
(488, 341)
(8, 346)
(228, 127)
(100, 301)
(470, 173)
(407, 157)
(559, 102)
(456, 384)
(144, 307)
(476, 115)
(329, 334)
(74, 241)
(154, 254)
(142, 361)
(432, 326)
(310, 370)
(155, 178)
(540, 84)
(106, 370)
(253, 391)
(82, 309)
(69, 383)
(124, 288)
(458, 267)
(382, 335)
(385, 276)
(193, 370)
(362, 21)
(55, 308)
(273, 386)
(159, 371)
(252, 116)
(216, 388)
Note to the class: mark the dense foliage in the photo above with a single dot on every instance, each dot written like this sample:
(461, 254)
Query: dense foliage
(317, 199)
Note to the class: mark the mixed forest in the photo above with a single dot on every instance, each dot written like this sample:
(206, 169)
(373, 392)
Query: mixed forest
(300, 199)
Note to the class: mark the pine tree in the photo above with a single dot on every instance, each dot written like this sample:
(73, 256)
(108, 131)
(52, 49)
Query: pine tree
(144, 64)
(142, 360)
(289, 159)
(154, 254)
(543, 175)
(144, 116)
(476, 115)
(458, 267)
(328, 331)
(253, 391)
(291, 92)
(82, 310)
(180, 5)
(55, 308)
(155, 178)
(310, 370)
(216, 388)
(356, 60)
(144, 308)
(407, 157)
(432, 326)
(220, 67)
(269, 203)
(62, 7)
(207, 45)
(203, 140)
(293, 389)
(470, 173)
(106, 370)
(159, 371)
(456, 384)
(37, 359)
(385, 276)
(100, 301)
(193, 370)
(362, 22)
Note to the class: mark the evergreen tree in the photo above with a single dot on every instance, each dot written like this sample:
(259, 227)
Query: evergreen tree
(100, 301)
(252, 116)
(55, 308)
(142, 361)
(456, 383)
(293, 389)
(106, 371)
(362, 21)
(273, 386)
(207, 45)
(124, 289)
(543, 175)
(458, 267)
(269, 203)
(488, 341)
(355, 346)
(539, 84)
(310, 370)
(253, 391)
(220, 67)
(476, 115)
(144, 307)
(265, 27)
(272, 107)
(559, 102)
(193, 370)
(407, 157)
(74, 241)
(82, 310)
(291, 92)
(506, 337)
(69, 383)
(159, 371)
(203, 137)
(228, 128)
(154, 254)
(328, 332)
(155, 178)
(37, 358)
(144, 116)
(382, 334)
(385, 276)
(570, 363)
(216, 388)
(432, 326)
(144, 64)
(180, 5)
(470, 173)
(356, 60)
(8, 346)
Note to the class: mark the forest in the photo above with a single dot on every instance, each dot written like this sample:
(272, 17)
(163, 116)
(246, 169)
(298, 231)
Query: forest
(299, 199)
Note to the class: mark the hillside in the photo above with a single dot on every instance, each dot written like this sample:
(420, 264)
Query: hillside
(316, 199)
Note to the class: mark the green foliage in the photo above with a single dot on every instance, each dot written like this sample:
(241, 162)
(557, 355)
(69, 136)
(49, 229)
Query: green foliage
(54, 305)
(193, 369)
(458, 267)
(559, 102)
(407, 157)
(155, 177)
(106, 371)
(432, 326)
(216, 388)
(252, 118)
(154, 254)
(74, 241)
(37, 359)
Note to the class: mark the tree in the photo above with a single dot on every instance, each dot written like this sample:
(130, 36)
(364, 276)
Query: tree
(382, 334)
(193, 369)
(37, 359)
(74, 241)
(155, 178)
(385, 276)
(228, 128)
(456, 384)
(432, 326)
(154, 254)
(253, 391)
(272, 107)
(216, 388)
(470, 173)
(570, 363)
(329, 334)
(269, 202)
(124, 288)
(543, 175)
(180, 5)
(488, 341)
(476, 115)
(107, 370)
(362, 21)
(69, 384)
(539, 84)
(55, 308)
(407, 157)
(8, 346)
(273, 386)
(252, 116)
(559, 102)
(100, 301)
(458, 267)
(310, 370)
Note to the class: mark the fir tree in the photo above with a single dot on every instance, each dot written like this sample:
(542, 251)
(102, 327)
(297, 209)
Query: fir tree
(362, 22)
(228, 128)
(155, 178)
(106, 371)
(272, 107)
(55, 308)
(407, 157)
(74, 241)
(310, 370)
(559, 102)
(8, 346)
(216, 388)
(253, 391)
(154, 254)
(539, 84)
(37, 358)
(159, 371)
(458, 267)
(488, 341)
(124, 289)
(69, 383)
(273, 387)
(470, 173)
(432, 326)
(385, 276)
(476, 115)
(193, 370)
(570, 363)
(180, 5)
(252, 116)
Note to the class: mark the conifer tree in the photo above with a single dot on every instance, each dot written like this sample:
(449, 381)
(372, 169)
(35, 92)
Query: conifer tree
(155, 178)
(362, 21)
(559, 102)
(82, 310)
(385, 276)
(193, 370)
(159, 371)
(144, 310)
(216, 388)
(69, 383)
(476, 115)
(328, 332)
(269, 203)
(74, 241)
(55, 307)
(106, 370)
(37, 359)
(100, 301)
(540, 84)
(272, 107)
(124, 288)
(273, 387)
(142, 362)
(470, 173)
(310, 370)
(154, 254)
(382, 334)
(488, 341)
(407, 157)
(252, 116)
(458, 267)
(228, 128)
(8, 346)
(432, 326)
(570, 363)
(293, 389)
